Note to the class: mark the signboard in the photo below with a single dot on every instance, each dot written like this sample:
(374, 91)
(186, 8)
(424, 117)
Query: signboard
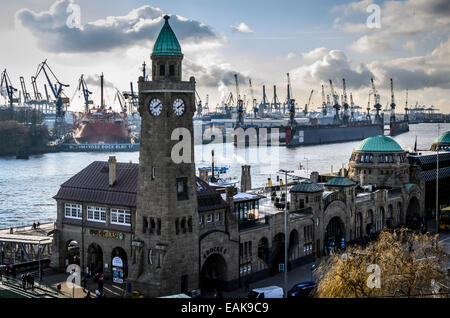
(117, 269)
(107, 234)
(281, 267)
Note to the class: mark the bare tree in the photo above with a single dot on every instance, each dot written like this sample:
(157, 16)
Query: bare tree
(410, 265)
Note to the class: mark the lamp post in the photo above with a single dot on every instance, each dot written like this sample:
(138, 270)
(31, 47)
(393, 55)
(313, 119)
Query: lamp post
(437, 183)
(39, 253)
(285, 231)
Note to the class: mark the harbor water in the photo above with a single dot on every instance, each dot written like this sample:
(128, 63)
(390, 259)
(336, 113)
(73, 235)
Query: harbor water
(27, 186)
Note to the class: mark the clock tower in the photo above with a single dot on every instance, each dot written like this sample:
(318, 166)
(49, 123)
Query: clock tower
(165, 248)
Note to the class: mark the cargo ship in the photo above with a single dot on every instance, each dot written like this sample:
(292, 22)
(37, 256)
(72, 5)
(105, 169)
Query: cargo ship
(100, 125)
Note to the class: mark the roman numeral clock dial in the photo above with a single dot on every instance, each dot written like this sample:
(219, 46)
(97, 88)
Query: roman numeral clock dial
(178, 107)
(155, 107)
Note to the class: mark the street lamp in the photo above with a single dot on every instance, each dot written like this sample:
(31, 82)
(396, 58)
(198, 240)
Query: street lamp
(39, 253)
(285, 230)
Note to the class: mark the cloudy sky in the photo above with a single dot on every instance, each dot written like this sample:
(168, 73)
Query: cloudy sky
(260, 40)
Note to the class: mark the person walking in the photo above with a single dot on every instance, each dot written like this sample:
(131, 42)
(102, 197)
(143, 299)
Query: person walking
(100, 284)
(24, 281)
(32, 282)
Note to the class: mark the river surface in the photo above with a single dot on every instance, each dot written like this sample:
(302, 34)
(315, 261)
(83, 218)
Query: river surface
(27, 186)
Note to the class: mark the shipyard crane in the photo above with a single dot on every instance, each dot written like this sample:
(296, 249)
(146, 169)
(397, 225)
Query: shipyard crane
(119, 96)
(276, 103)
(324, 105)
(392, 119)
(10, 90)
(56, 88)
(206, 106)
(290, 101)
(344, 102)
(83, 87)
(406, 106)
(240, 104)
(352, 108)
(305, 111)
(254, 103)
(336, 105)
(264, 103)
(377, 102)
(199, 107)
(368, 108)
(26, 95)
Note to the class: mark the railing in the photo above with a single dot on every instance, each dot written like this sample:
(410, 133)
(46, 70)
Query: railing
(40, 289)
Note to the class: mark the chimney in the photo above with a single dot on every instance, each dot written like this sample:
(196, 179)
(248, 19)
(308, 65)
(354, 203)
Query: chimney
(314, 177)
(112, 170)
(204, 175)
(246, 179)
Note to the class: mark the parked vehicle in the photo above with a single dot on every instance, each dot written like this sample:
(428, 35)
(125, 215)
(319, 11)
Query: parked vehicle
(267, 292)
(304, 289)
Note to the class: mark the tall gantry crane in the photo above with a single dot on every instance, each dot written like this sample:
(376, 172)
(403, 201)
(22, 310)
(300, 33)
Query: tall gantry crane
(345, 116)
(305, 111)
(276, 105)
(254, 103)
(83, 87)
(206, 106)
(290, 102)
(368, 108)
(377, 102)
(57, 88)
(26, 95)
(199, 105)
(324, 104)
(336, 105)
(352, 108)
(264, 104)
(240, 104)
(392, 119)
(10, 90)
(406, 106)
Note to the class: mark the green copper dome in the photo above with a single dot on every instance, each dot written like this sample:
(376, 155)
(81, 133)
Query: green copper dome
(167, 43)
(340, 181)
(378, 144)
(306, 187)
(443, 139)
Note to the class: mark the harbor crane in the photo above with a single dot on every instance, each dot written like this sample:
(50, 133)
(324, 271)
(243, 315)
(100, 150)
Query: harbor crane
(392, 119)
(132, 97)
(56, 88)
(276, 105)
(263, 106)
(26, 95)
(254, 103)
(206, 106)
(345, 116)
(290, 102)
(305, 111)
(324, 104)
(336, 105)
(83, 87)
(406, 106)
(240, 104)
(199, 105)
(119, 96)
(10, 90)
(352, 108)
(368, 108)
(377, 102)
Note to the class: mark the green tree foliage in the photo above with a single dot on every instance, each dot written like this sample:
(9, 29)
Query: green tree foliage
(410, 264)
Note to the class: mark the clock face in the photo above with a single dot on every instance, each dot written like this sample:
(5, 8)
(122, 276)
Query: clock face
(178, 107)
(155, 107)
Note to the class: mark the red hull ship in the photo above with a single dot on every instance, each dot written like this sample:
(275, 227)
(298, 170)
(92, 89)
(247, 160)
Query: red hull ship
(100, 125)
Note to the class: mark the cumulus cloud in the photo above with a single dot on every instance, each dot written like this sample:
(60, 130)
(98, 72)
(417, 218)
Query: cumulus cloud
(138, 26)
(399, 19)
(213, 75)
(242, 28)
(323, 64)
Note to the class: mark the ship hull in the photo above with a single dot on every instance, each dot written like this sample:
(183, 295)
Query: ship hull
(398, 127)
(302, 136)
(101, 132)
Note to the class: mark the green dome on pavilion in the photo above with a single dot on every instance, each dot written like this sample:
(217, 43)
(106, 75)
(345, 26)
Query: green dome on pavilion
(442, 140)
(379, 144)
(167, 43)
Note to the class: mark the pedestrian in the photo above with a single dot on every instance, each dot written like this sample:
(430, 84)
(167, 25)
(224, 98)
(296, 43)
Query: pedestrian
(32, 281)
(100, 284)
(97, 293)
(24, 281)
(38, 224)
(34, 226)
(247, 285)
(11, 230)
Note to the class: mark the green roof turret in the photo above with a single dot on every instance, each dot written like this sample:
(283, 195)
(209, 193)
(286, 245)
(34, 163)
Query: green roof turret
(167, 43)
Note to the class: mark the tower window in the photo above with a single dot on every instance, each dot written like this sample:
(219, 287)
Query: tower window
(190, 224)
(182, 192)
(172, 70)
(177, 228)
(183, 225)
(162, 70)
(158, 229)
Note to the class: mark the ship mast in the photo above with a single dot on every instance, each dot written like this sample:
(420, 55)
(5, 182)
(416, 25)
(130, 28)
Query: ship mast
(101, 90)
(392, 102)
